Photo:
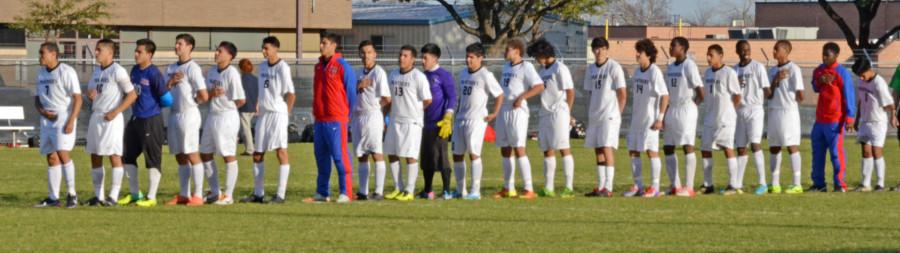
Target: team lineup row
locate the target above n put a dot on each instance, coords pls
(425, 113)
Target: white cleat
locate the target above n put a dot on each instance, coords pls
(343, 199)
(225, 201)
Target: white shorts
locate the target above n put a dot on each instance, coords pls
(605, 134)
(553, 133)
(468, 136)
(872, 133)
(749, 128)
(367, 133)
(680, 125)
(104, 138)
(52, 137)
(643, 140)
(783, 127)
(220, 133)
(714, 137)
(271, 131)
(511, 128)
(184, 131)
(403, 140)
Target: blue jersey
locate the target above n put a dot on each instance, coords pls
(150, 86)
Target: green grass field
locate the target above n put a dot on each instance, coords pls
(817, 222)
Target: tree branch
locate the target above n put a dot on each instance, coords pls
(880, 42)
(459, 20)
(848, 34)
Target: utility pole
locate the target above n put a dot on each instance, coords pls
(299, 30)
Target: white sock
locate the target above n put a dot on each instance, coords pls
(259, 175)
(525, 168)
(69, 174)
(569, 170)
(741, 168)
(154, 175)
(132, 174)
(283, 172)
(636, 172)
(867, 164)
(459, 170)
(655, 169)
(760, 162)
(184, 180)
(610, 174)
(395, 172)
(54, 178)
(116, 185)
(601, 177)
(363, 177)
(690, 170)
(707, 171)
(197, 174)
(795, 165)
(549, 172)
(97, 175)
(672, 170)
(509, 171)
(476, 176)
(231, 174)
(379, 177)
(733, 172)
(211, 171)
(879, 170)
(412, 171)
(775, 167)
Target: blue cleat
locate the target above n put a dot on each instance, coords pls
(761, 190)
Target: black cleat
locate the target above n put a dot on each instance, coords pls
(71, 201)
(48, 202)
(362, 196)
(276, 200)
(253, 199)
(817, 189)
(377, 197)
(97, 202)
(878, 188)
(707, 189)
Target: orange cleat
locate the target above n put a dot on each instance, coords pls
(527, 195)
(178, 200)
(196, 200)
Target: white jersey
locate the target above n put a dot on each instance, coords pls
(681, 80)
(369, 99)
(721, 86)
(408, 90)
(557, 79)
(186, 89)
(602, 81)
(275, 81)
(229, 80)
(784, 96)
(475, 89)
(753, 79)
(517, 79)
(110, 84)
(873, 96)
(649, 87)
(55, 87)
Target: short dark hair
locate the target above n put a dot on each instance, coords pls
(272, 40)
(432, 49)
(332, 37)
(411, 50)
(52, 47)
(365, 43)
(599, 42)
(541, 49)
(681, 41)
(517, 44)
(716, 48)
(187, 38)
(646, 46)
(833, 47)
(148, 44)
(860, 65)
(785, 44)
(475, 48)
(106, 42)
(230, 48)
(738, 45)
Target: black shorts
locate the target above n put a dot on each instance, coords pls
(144, 136)
(434, 153)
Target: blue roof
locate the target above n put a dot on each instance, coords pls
(405, 14)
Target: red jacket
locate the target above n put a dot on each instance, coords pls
(837, 100)
(334, 90)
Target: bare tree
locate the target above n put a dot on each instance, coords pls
(640, 12)
(867, 9)
(741, 10)
(705, 14)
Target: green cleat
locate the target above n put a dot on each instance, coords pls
(146, 203)
(794, 189)
(547, 193)
(392, 195)
(567, 193)
(405, 196)
(775, 189)
(130, 199)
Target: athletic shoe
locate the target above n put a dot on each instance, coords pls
(707, 189)
(840, 189)
(527, 195)
(315, 199)
(130, 199)
(426, 195)
(505, 193)
(224, 201)
(48, 202)
(196, 200)
(862, 189)
(546, 193)
(71, 201)
(459, 194)
(212, 198)
(97, 202)
(276, 200)
(633, 192)
(878, 188)
(652, 193)
(178, 200)
(673, 191)
(362, 196)
(730, 190)
(761, 190)
(405, 196)
(376, 197)
(686, 192)
(794, 189)
(253, 199)
(343, 199)
(595, 193)
(473, 196)
(448, 195)
(817, 189)
(567, 193)
(146, 203)
(393, 195)
(896, 188)
(775, 189)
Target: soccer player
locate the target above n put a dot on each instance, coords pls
(876, 112)
(555, 121)
(782, 129)
(472, 117)
(720, 117)
(605, 80)
(835, 110)
(220, 130)
(410, 94)
(651, 98)
(275, 101)
(367, 122)
(520, 82)
(145, 131)
(686, 92)
(895, 90)
(188, 89)
(754, 80)
(334, 95)
(438, 122)
(57, 99)
(111, 93)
